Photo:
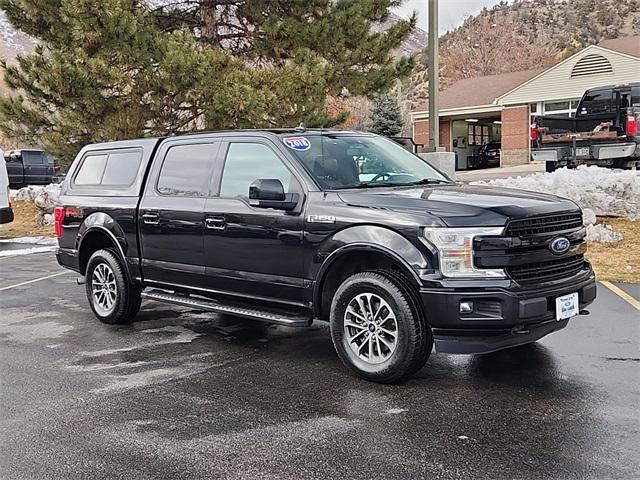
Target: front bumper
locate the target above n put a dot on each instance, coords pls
(502, 318)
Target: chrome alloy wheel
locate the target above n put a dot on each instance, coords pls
(370, 328)
(104, 288)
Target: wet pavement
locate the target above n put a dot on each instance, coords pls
(188, 394)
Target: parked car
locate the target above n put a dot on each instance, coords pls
(30, 167)
(603, 132)
(6, 212)
(490, 155)
(279, 226)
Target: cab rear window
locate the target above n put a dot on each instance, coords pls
(116, 168)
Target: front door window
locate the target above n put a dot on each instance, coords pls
(248, 162)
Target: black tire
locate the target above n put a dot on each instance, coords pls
(550, 167)
(126, 299)
(413, 342)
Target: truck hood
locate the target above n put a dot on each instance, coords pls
(461, 205)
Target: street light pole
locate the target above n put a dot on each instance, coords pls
(432, 64)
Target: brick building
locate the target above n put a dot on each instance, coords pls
(499, 108)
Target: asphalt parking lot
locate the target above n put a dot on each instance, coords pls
(188, 394)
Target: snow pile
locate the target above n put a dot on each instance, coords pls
(603, 234)
(32, 192)
(588, 216)
(44, 197)
(607, 192)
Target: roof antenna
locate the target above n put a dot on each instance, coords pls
(301, 128)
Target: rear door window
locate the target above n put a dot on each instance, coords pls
(596, 101)
(186, 170)
(34, 158)
(635, 96)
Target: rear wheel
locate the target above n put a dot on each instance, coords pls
(377, 329)
(550, 167)
(111, 297)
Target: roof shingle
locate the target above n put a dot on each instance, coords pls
(626, 45)
(480, 90)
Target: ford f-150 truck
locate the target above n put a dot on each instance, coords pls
(31, 167)
(282, 226)
(603, 132)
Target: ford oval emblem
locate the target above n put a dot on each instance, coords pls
(559, 245)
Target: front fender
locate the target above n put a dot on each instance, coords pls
(369, 238)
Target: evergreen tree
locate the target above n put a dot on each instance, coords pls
(386, 117)
(114, 69)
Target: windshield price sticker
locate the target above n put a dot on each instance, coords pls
(297, 143)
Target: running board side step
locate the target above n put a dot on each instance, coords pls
(289, 319)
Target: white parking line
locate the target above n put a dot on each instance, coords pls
(622, 294)
(33, 281)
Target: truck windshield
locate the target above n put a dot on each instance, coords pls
(360, 161)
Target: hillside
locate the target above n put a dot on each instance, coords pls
(524, 35)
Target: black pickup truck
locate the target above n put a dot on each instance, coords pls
(282, 226)
(30, 167)
(603, 132)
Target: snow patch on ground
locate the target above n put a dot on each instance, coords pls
(603, 234)
(26, 251)
(606, 192)
(32, 240)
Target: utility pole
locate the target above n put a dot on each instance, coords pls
(433, 67)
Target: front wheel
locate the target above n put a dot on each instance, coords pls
(550, 167)
(111, 297)
(378, 329)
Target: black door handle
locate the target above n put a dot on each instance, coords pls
(151, 218)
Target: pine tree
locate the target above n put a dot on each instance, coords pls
(115, 69)
(386, 117)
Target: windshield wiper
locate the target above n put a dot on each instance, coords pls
(374, 184)
(428, 181)
(424, 181)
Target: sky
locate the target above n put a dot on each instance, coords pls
(452, 12)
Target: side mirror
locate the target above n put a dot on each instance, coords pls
(269, 193)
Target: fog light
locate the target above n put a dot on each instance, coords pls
(466, 307)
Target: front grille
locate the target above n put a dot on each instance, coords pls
(546, 271)
(547, 224)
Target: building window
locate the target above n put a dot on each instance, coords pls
(478, 135)
(565, 108)
(556, 106)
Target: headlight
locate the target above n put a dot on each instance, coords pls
(455, 251)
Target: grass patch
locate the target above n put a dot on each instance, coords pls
(620, 261)
(25, 222)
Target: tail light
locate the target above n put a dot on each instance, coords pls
(58, 217)
(534, 131)
(9, 196)
(632, 125)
